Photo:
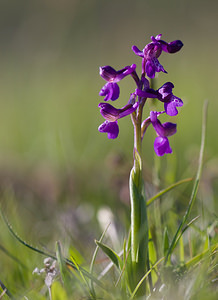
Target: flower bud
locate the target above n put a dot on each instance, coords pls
(174, 46)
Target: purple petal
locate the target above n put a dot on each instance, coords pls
(124, 72)
(152, 50)
(163, 130)
(110, 90)
(109, 112)
(107, 73)
(171, 47)
(161, 42)
(111, 75)
(158, 66)
(111, 128)
(166, 89)
(170, 101)
(170, 107)
(152, 66)
(112, 114)
(147, 93)
(162, 146)
(150, 69)
(158, 37)
(164, 45)
(137, 51)
(169, 128)
(128, 109)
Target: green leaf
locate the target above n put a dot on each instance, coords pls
(135, 200)
(110, 253)
(139, 223)
(4, 290)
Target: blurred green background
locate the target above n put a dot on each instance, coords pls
(52, 157)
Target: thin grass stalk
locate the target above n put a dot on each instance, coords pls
(195, 187)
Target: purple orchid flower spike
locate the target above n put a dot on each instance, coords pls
(171, 102)
(151, 52)
(111, 89)
(161, 143)
(112, 114)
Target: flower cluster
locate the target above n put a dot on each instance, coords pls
(136, 102)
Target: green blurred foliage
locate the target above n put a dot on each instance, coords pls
(52, 157)
(50, 52)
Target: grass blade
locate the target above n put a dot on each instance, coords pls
(4, 290)
(169, 188)
(195, 187)
(185, 228)
(21, 240)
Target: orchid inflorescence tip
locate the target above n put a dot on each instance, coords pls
(150, 66)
